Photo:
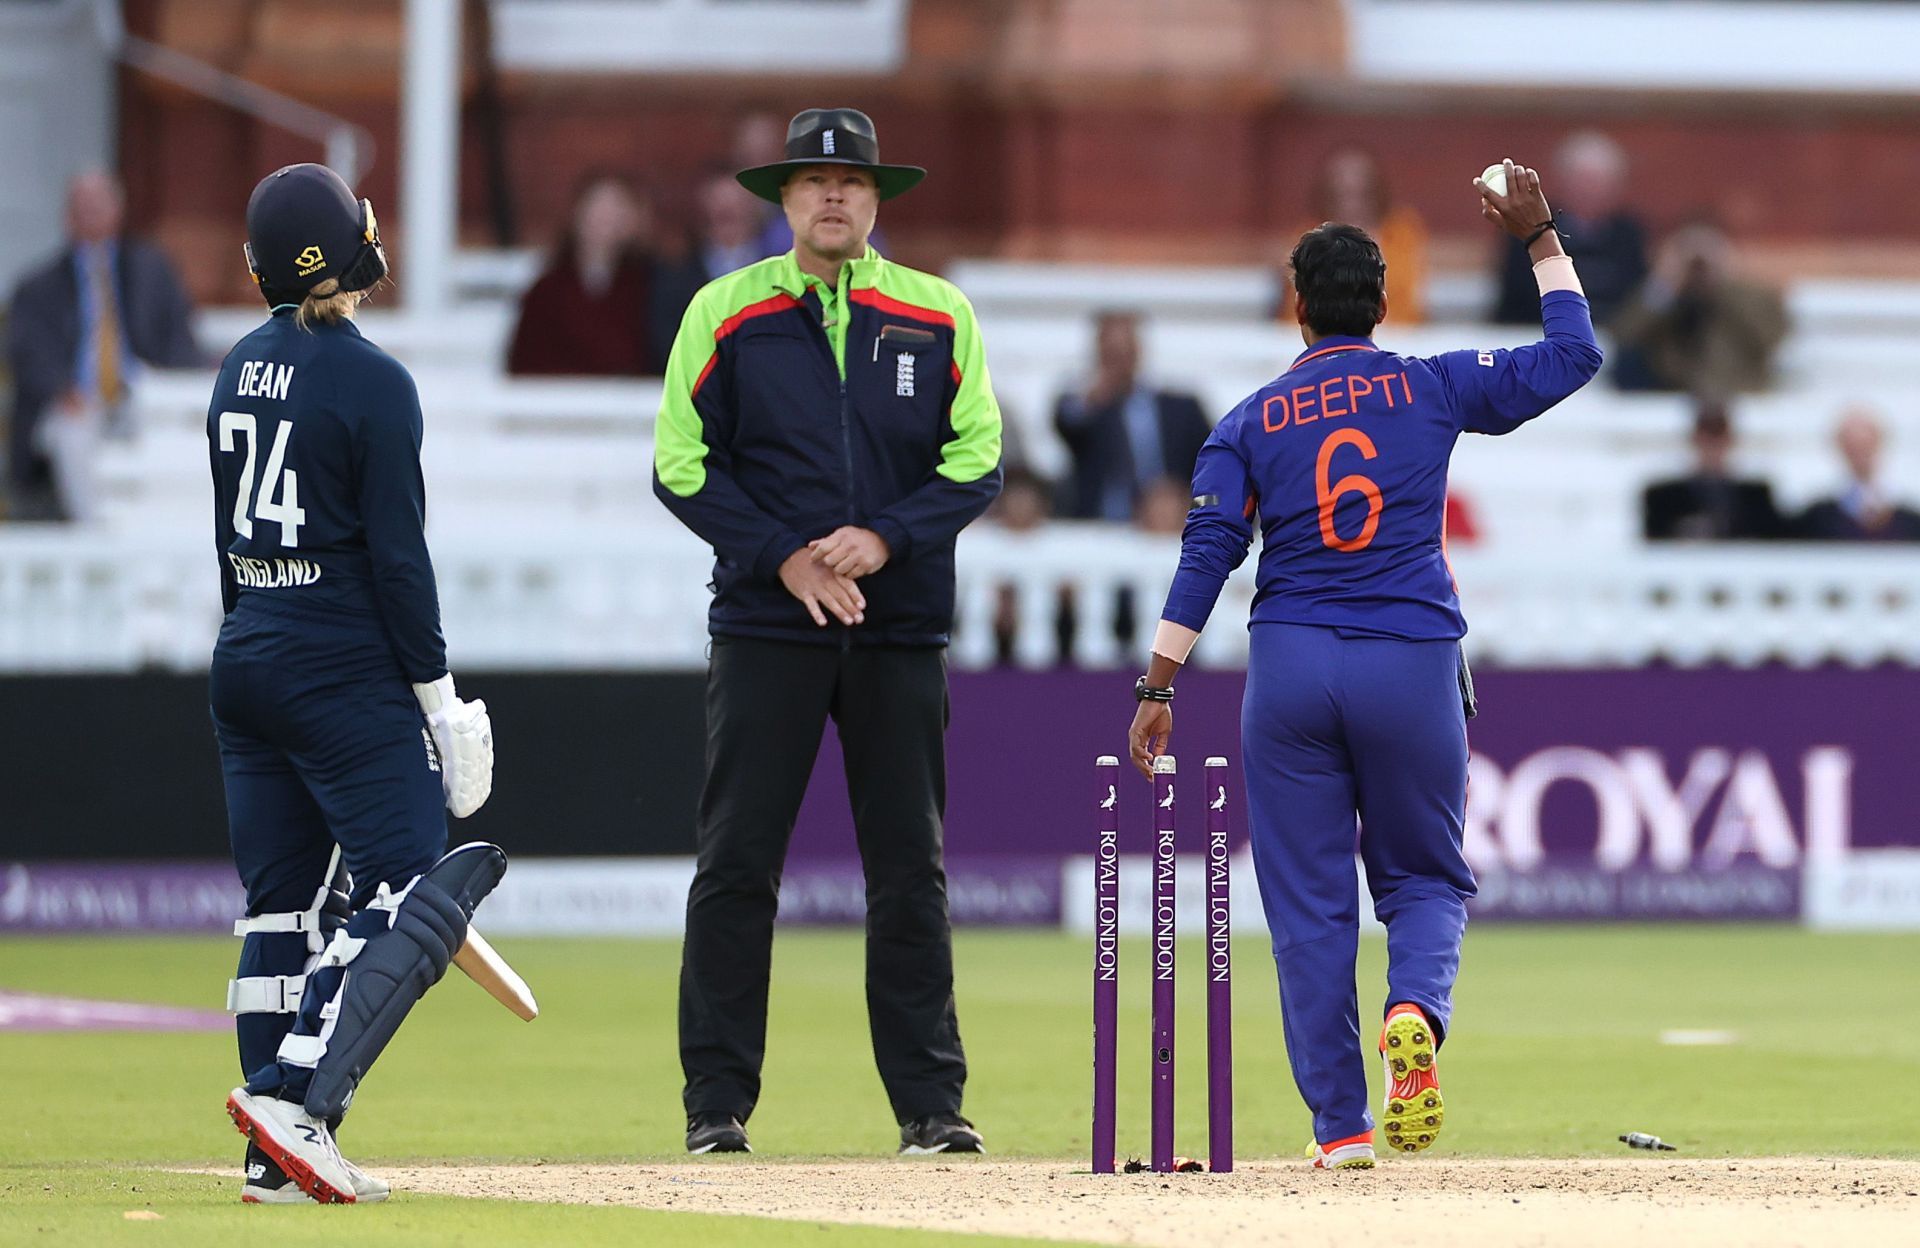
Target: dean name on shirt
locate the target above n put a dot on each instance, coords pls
(265, 379)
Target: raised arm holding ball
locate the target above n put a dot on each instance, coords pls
(1357, 696)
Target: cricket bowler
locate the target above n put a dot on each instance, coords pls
(1357, 694)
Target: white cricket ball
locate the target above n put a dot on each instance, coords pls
(1495, 176)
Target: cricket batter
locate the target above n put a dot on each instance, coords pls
(341, 740)
(1357, 694)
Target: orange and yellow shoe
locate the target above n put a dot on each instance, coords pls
(1415, 1111)
(1353, 1153)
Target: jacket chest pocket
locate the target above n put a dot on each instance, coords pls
(903, 388)
(786, 382)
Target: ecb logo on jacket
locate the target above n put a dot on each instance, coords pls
(903, 375)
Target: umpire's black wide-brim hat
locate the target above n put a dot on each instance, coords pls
(830, 136)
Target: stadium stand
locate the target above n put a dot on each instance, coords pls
(554, 551)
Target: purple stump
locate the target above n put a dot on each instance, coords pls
(1106, 958)
(1219, 973)
(1164, 907)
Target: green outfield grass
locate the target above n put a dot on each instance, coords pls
(1555, 1051)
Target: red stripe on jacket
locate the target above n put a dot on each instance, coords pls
(766, 307)
(893, 307)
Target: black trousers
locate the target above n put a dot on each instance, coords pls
(767, 704)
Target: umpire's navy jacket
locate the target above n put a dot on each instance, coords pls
(793, 408)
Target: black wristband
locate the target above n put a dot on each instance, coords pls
(1534, 237)
(1144, 692)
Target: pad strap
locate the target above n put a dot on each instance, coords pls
(303, 1050)
(298, 921)
(265, 994)
(342, 949)
(328, 911)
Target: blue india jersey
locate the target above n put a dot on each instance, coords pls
(1341, 461)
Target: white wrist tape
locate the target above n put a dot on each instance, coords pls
(1556, 273)
(1174, 641)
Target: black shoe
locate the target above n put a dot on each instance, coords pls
(941, 1133)
(267, 1183)
(716, 1132)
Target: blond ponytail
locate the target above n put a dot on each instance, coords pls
(327, 304)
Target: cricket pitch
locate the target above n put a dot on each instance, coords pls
(1476, 1203)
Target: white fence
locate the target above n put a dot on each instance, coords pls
(82, 600)
(552, 551)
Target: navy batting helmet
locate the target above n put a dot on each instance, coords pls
(305, 226)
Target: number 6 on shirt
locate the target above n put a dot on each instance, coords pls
(1330, 495)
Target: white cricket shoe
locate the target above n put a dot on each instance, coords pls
(1353, 1153)
(268, 1184)
(297, 1142)
(367, 1190)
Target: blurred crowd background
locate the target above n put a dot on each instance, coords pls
(1115, 184)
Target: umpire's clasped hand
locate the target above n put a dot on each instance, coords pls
(822, 590)
(851, 551)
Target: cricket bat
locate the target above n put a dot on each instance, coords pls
(488, 969)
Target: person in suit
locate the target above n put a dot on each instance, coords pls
(83, 324)
(1123, 434)
(1601, 230)
(1863, 512)
(1710, 503)
(726, 238)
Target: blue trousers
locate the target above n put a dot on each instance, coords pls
(322, 743)
(1337, 727)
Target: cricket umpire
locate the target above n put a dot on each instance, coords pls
(828, 427)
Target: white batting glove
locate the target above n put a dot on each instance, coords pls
(463, 735)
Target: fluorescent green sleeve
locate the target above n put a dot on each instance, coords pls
(974, 450)
(692, 468)
(679, 437)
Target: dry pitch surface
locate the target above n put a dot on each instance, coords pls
(1471, 1204)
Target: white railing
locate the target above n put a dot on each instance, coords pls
(628, 598)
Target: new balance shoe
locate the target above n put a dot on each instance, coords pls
(940, 1133)
(297, 1142)
(1415, 1110)
(268, 1184)
(716, 1132)
(1353, 1153)
(367, 1190)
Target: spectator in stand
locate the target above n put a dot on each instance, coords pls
(1161, 512)
(1163, 506)
(83, 325)
(587, 315)
(761, 139)
(726, 237)
(1863, 512)
(1602, 234)
(1710, 503)
(1024, 505)
(1697, 325)
(1122, 433)
(1350, 189)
